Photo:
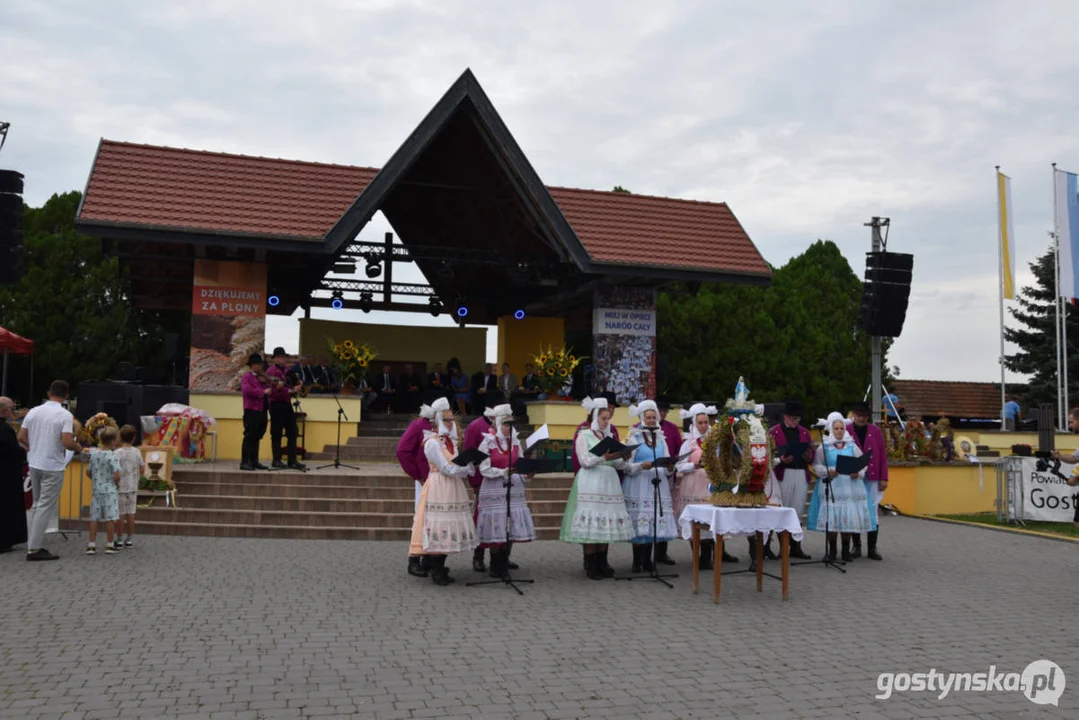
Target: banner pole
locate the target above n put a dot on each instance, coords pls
(1002, 234)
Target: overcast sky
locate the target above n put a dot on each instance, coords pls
(808, 118)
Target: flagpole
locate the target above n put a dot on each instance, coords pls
(1062, 329)
(1000, 286)
(1056, 311)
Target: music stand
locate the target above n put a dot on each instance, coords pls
(337, 453)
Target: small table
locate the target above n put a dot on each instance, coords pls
(734, 522)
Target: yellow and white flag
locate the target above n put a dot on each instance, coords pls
(1007, 235)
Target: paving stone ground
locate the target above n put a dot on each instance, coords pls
(261, 629)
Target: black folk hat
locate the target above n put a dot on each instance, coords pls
(255, 358)
(793, 408)
(861, 407)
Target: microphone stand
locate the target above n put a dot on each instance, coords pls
(657, 512)
(337, 454)
(506, 578)
(834, 564)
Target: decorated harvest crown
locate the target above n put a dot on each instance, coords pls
(738, 452)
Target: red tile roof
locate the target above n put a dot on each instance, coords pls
(194, 190)
(942, 397)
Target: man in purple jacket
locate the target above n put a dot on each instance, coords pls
(254, 393)
(473, 437)
(414, 463)
(869, 437)
(792, 471)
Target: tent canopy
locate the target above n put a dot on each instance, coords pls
(15, 345)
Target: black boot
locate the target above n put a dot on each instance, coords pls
(593, 565)
(846, 547)
(871, 539)
(477, 560)
(856, 545)
(768, 554)
(499, 560)
(415, 566)
(510, 565)
(796, 551)
(646, 558)
(708, 547)
(585, 558)
(439, 574)
(727, 557)
(661, 554)
(752, 554)
(636, 569)
(605, 568)
(830, 542)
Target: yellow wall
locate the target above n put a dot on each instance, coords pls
(321, 429)
(401, 343)
(562, 418)
(519, 340)
(942, 489)
(1002, 441)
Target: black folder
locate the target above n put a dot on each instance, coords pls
(609, 444)
(669, 462)
(846, 465)
(536, 466)
(796, 450)
(474, 456)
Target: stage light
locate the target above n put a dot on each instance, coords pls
(338, 301)
(374, 267)
(519, 315)
(462, 311)
(273, 301)
(365, 302)
(436, 306)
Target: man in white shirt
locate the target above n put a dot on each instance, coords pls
(47, 432)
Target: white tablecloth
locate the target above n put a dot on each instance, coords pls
(733, 521)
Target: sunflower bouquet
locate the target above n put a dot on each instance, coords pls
(351, 360)
(91, 432)
(554, 367)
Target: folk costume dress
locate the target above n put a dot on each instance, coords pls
(848, 510)
(693, 481)
(443, 524)
(640, 494)
(503, 452)
(596, 509)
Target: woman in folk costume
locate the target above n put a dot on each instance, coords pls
(503, 449)
(443, 523)
(640, 493)
(847, 511)
(596, 510)
(693, 483)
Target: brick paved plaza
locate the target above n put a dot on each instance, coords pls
(237, 628)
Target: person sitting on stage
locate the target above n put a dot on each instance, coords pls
(460, 386)
(485, 392)
(694, 481)
(790, 471)
(438, 385)
(306, 372)
(839, 503)
(596, 510)
(530, 385)
(443, 524)
(474, 434)
(327, 378)
(639, 492)
(503, 449)
(413, 461)
(869, 437)
(386, 389)
(410, 390)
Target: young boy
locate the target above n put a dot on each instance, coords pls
(130, 470)
(105, 505)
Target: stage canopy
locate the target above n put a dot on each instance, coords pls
(465, 202)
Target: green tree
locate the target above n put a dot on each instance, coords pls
(1036, 336)
(72, 301)
(796, 338)
(620, 189)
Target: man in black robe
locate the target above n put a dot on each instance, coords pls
(410, 391)
(12, 495)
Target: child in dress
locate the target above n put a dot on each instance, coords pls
(105, 475)
(130, 470)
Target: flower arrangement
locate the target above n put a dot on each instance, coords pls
(91, 432)
(737, 453)
(351, 360)
(941, 441)
(914, 442)
(554, 367)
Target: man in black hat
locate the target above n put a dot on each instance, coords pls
(870, 438)
(254, 391)
(282, 416)
(792, 472)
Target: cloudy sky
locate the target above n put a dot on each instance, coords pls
(808, 118)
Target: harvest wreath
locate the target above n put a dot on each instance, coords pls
(737, 455)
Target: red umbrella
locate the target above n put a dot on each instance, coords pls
(13, 344)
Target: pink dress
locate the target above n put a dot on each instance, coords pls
(443, 523)
(693, 486)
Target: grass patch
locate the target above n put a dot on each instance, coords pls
(1064, 529)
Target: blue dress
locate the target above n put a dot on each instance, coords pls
(461, 387)
(639, 492)
(848, 510)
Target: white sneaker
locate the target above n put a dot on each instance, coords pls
(91, 550)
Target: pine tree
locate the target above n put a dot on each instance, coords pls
(1037, 339)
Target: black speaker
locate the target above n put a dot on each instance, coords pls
(886, 293)
(10, 225)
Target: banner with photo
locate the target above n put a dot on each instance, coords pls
(228, 322)
(624, 343)
(1042, 495)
